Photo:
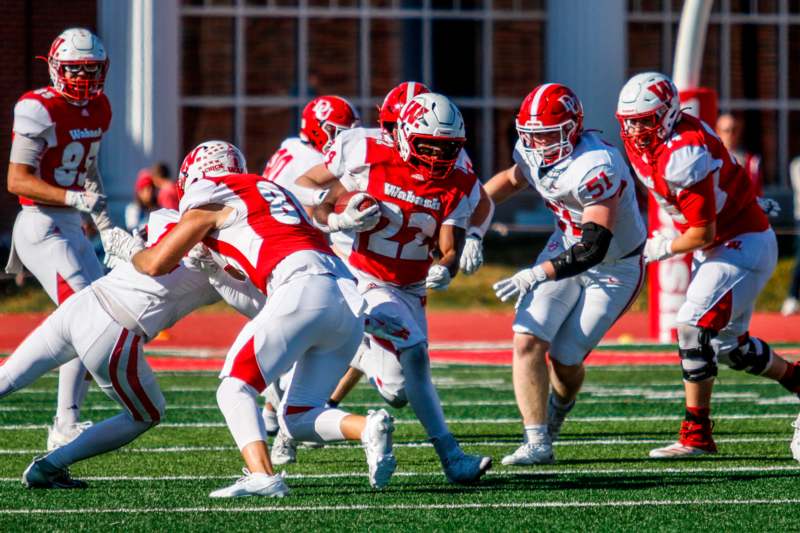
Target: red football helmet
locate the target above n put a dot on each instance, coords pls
(395, 100)
(78, 63)
(324, 118)
(208, 160)
(549, 109)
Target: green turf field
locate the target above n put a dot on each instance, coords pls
(602, 481)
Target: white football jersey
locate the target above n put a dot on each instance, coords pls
(151, 304)
(293, 159)
(595, 171)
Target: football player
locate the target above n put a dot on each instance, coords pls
(695, 180)
(105, 326)
(590, 271)
(423, 206)
(313, 315)
(53, 169)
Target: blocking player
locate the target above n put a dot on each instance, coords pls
(589, 272)
(312, 315)
(689, 172)
(53, 169)
(105, 325)
(424, 207)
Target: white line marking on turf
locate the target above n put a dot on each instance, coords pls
(403, 507)
(515, 472)
(465, 444)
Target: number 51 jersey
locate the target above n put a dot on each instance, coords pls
(413, 209)
(72, 134)
(594, 172)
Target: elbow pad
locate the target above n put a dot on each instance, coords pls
(582, 256)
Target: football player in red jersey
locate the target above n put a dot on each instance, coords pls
(713, 204)
(424, 208)
(313, 315)
(53, 169)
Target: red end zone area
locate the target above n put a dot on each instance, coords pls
(200, 341)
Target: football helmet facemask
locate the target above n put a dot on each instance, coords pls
(77, 63)
(549, 124)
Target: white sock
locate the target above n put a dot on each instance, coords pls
(108, 435)
(537, 434)
(72, 387)
(420, 391)
(238, 402)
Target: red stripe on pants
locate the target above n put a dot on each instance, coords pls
(63, 290)
(719, 315)
(113, 367)
(245, 366)
(136, 385)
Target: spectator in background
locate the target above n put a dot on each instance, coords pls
(729, 129)
(144, 201)
(167, 192)
(791, 305)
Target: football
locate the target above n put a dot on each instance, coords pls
(343, 200)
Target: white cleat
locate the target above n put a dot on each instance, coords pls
(555, 416)
(678, 451)
(258, 484)
(284, 449)
(791, 306)
(58, 436)
(795, 445)
(531, 454)
(377, 441)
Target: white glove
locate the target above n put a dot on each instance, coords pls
(770, 207)
(438, 278)
(472, 255)
(118, 242)
(657, 247)
(354, 219)
(199, 258)
(112, 261)
(385, 327)
(519, 284)
(85, 201)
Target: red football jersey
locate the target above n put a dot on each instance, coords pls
(696, 181)
(398, 250)
(72, 134)
(268, 224)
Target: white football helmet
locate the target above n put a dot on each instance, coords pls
(210, 159)
(76, 50)
(430, 134)
(647, 110)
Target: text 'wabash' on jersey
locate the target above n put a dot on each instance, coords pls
(72, 134)
(594, 172)
(398, 250)
(267, 225)
(696, 181)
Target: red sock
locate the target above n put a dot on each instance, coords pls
(698, 415)
(791, 378)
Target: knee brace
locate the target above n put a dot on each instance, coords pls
(752, 355)
(698, 361)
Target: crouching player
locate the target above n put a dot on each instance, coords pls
(590, 271)
(714, 207)
(312, 315)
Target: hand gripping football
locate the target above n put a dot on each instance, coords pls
(343, 200)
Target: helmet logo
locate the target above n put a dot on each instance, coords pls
(662, 89)
(569, 103)
(413, 111)
(322, 110)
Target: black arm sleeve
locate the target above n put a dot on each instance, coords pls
(582, 256)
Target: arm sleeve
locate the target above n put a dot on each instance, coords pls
(94, 183)
(697, 203)
(27, 150)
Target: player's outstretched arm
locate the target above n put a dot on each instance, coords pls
(504, 185)
(317, 177)
(192, 227)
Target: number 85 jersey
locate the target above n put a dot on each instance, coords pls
(71, 133)
(594, 172)
(413, 209)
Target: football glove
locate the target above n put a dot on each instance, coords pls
(438, 278)
(354, 219)
(519, 284)
(199, 258)
(472, 255)
(657, 247)
(770, 207)
(118, 242)
(85, 201)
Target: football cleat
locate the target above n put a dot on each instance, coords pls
(464, 469)
(258, 484)
(795, 445)
(695, 439)
(40, 474)
(530, 453)
(377, 441)
(555, 416)
(284, 449)
(58, 436)
(791, 306)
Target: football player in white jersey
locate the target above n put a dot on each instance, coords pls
(590, 271)
(105, 326)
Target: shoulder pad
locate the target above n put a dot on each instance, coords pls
(204, 192)
(159, 223)
(689, 164)
(32, 118)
